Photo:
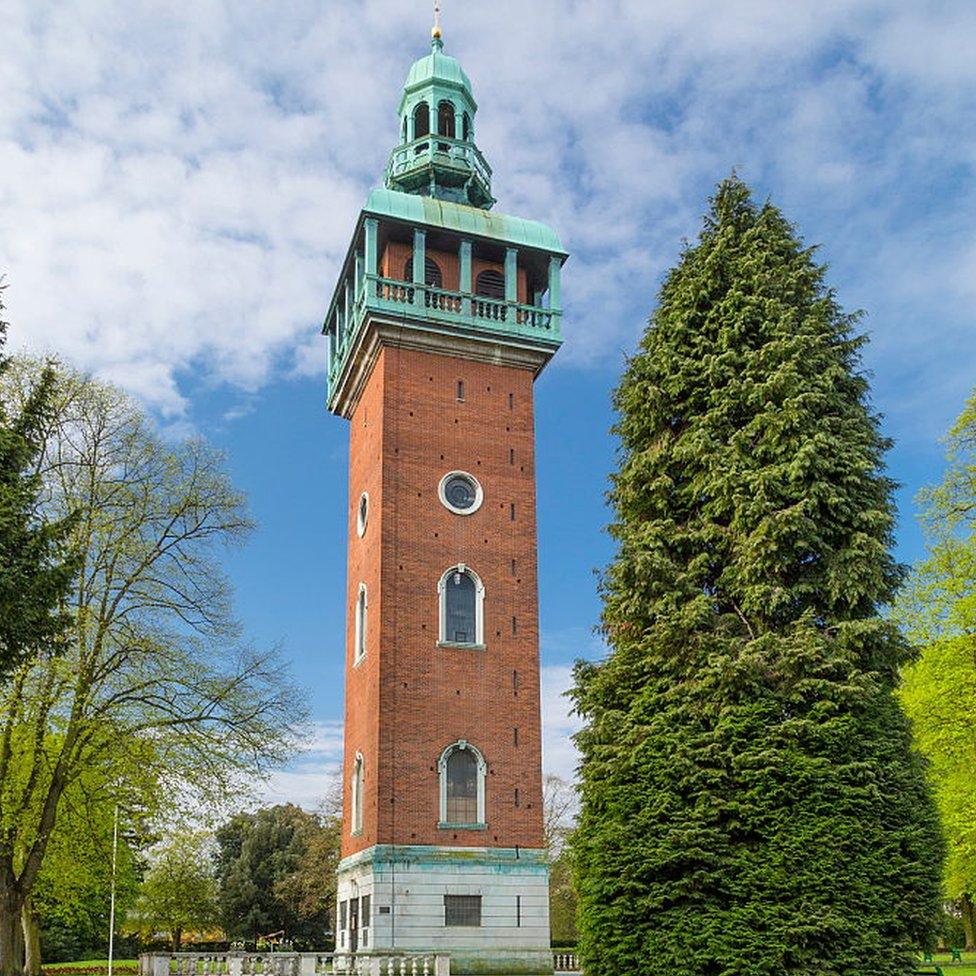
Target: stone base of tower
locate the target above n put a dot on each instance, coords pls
(407, 885)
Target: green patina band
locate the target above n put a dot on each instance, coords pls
(495, 858)
(464, 220)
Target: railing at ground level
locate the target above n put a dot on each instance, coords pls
(377, 963)
(565, 962)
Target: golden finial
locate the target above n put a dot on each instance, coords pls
(435, 31)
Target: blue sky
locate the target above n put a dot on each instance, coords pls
(178, 183)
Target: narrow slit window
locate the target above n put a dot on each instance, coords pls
(511, 512)
(460, 389)
(357, 795)
(362, 609)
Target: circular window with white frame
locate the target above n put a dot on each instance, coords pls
(362, 514)
(460, 492)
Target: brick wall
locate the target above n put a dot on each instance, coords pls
(410, 698)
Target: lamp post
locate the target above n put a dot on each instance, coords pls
(111, 911)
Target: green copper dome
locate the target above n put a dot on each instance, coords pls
(437, 156)
(437, 68)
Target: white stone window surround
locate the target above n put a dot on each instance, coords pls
(481, 823)
(356, 795)
(479, 492)
(478, 643)
(361, 624)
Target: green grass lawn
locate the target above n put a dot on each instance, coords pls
(966, 968)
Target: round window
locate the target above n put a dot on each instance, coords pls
(460, 492)
(362, 514)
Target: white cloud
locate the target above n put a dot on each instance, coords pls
(559, 754)
(312, 775)
(177, 185)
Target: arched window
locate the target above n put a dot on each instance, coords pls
(356, 795)
(445, 119)
(491, 284)
(421, 120)
(362, 607)
(466, 126)
(462, 771)
(462, 597)
(432, 272)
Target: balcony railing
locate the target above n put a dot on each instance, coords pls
(378, 963)
(442, 307)
(452, 152)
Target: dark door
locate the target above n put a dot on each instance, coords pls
(353, 924)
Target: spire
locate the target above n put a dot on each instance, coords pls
(436, 41)
(437, 156)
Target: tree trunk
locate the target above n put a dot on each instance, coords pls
(32, 940)
(176, 937)
(11, 928)
(968, 920)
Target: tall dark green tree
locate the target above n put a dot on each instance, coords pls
(751, 800)
(36, 566)
(260, 862)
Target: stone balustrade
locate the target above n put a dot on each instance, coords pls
(295, 964)
(565, 962)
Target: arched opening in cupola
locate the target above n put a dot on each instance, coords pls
(490, 284)
(432, 272)
(466, 126)
(445, 119)
(403, 134)
(421, 120)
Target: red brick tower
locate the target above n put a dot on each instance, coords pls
(443, 316)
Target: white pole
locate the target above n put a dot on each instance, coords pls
(111, 912)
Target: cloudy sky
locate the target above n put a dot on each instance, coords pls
(178, 183)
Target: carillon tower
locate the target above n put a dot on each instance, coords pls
(444, 314)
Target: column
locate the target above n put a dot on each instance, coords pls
(511, 274)
(555, 292)
(357, 275)
(464, 261)
(370, 234)
(419, 262)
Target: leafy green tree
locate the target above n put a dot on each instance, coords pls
(153, 676)
(751, 803)
(36, 564)
(179, 892)
(67, 915)
(276, 870)
(938, 609)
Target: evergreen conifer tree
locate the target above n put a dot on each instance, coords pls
(36, 564)
(751, 800)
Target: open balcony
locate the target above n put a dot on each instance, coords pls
(453, 162)
(434, 279)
